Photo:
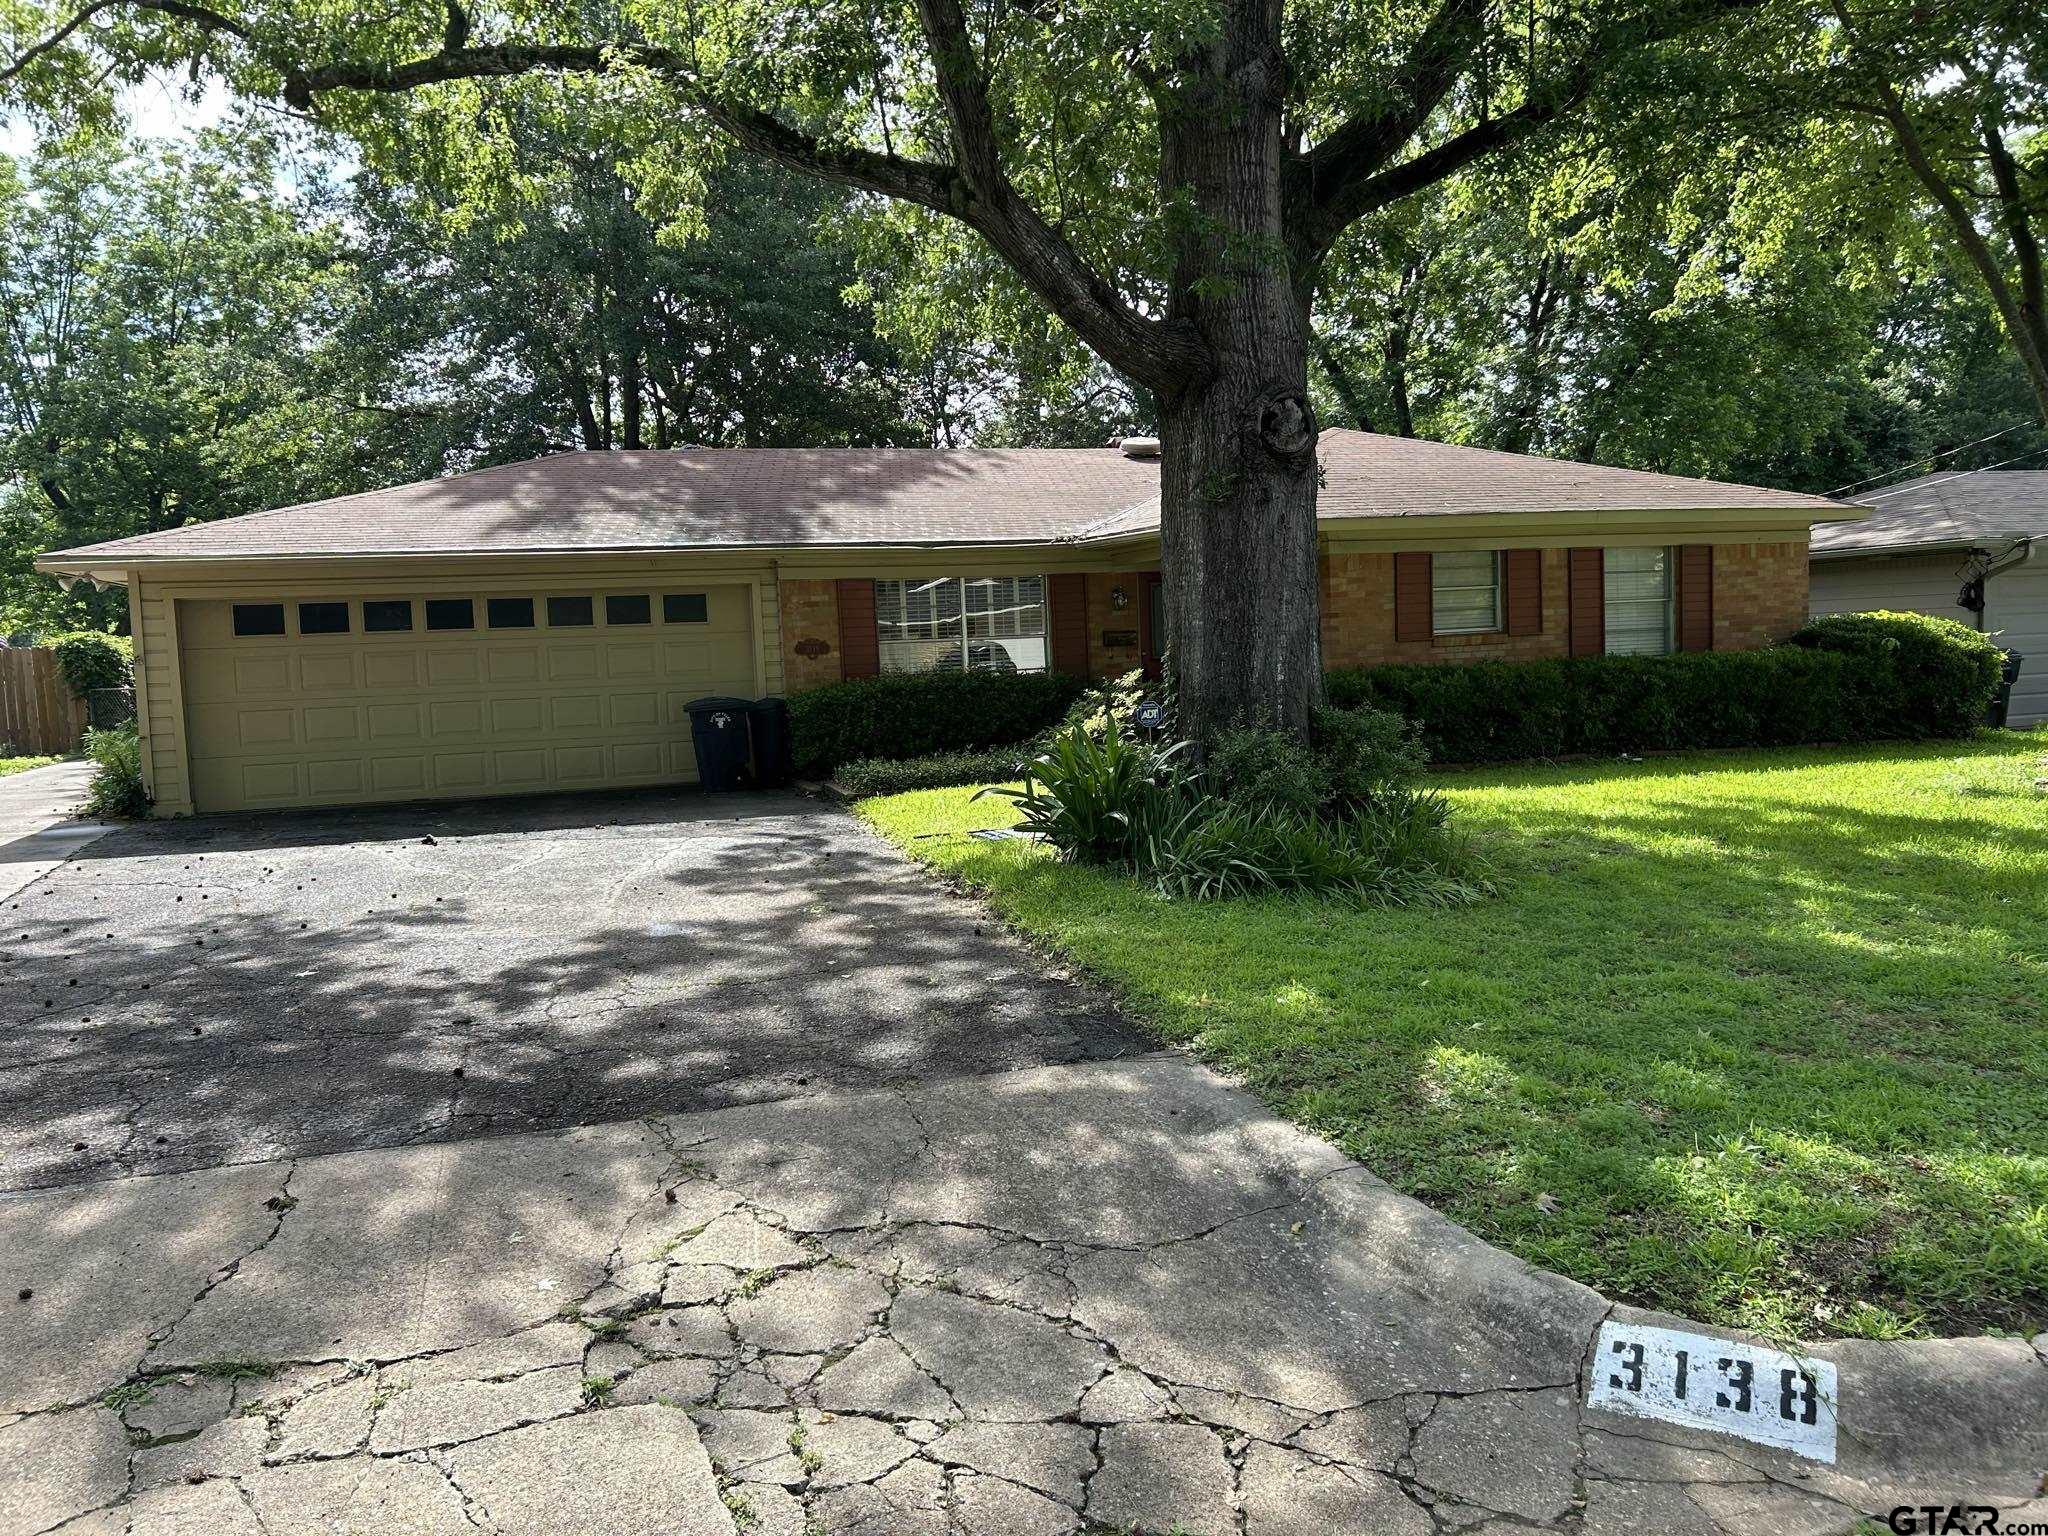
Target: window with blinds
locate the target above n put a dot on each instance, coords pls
(1638, 603)
(1464, 592)
(961, 624)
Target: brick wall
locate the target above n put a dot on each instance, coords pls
(1358, 619)
(810, 618)
(1106, 620)
(1759, 593)
(1759, 597)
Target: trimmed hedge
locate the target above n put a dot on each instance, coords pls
(944, 770)
(1857, 677)
(1934, 677)
(920, 714)
(89, 660)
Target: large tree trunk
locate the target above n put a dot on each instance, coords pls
(1238, 471)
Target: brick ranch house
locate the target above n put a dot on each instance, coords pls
(539, 626)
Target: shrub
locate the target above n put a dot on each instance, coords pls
(1840, 682)
(116, 788)
(1366, 754)
(922, 713)
(1267, 770)
(942, 770)
(1097, 798)
(1936, 676)
(89, 660)
(1352, 758)
(1106, 798)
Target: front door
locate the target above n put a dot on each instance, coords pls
(1152, 623)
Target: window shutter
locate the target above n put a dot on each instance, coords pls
(1695, 597)
(1587, 581)
(860, 652)
(1068, 623)
(1522, 577)
(1413, 619)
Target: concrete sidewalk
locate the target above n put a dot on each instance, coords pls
(37, 829)
(1106, 1295)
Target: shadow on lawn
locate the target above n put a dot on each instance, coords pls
(1750, 1052)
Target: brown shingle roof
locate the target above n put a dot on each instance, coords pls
(794, 497)
(1946, 511)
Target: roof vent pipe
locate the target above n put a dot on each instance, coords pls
(1139, 447)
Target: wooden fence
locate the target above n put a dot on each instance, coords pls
(38, 715)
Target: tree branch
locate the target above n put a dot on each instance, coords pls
(974, 191)
(1161, 355)
(1365, 143)
(211, 20)
(1347, 176)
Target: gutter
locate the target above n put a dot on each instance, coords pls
(1725, 519)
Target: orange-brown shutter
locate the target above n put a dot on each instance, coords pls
(1696, 597)
(860, 650)
(1522, 577)
(1414, 615)
(1586, 579)
(1067, 597)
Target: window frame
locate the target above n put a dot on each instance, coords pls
(490, 616)
(1608, 603)
(411, 617)
(348, 618)
(956, 631)
(236, 610)
(1496, 624)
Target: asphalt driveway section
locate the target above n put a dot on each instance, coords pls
(1111, 1296)
(220, 990)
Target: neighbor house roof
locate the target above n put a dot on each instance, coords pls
(1944, 511)
(725, 498)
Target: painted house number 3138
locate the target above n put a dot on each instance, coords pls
(1716, 1384)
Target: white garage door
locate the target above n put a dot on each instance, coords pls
(324, 701)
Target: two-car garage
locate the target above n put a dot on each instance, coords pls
(322, 698)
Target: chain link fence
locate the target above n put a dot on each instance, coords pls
(106, 708)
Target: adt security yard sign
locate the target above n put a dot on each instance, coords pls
(1708, 1383)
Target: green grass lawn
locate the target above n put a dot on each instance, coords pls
(23, 764)
(1757, 1037)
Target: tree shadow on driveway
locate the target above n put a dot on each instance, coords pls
(235, 989)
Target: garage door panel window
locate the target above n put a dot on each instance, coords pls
(451, 613)
(509, 612)
(685, 608)
(1464, 592)
(1638, 601)
(323, 618)
(961, 624)
(255, 619)
(383, 616)
(633, 608)
(570, 612)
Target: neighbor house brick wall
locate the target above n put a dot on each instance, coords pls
(1358, 619)
(1106, 620)
(810, 634)
(1759, 593)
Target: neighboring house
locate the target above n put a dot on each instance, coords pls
(540, 625)
(1960, 545)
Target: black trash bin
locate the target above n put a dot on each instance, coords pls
(718, 730)
(770, 727)
(2001, 701)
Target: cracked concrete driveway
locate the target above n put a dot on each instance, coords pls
(858, 1252)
